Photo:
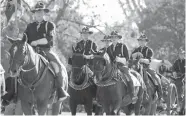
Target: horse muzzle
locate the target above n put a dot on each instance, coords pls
(14, 73)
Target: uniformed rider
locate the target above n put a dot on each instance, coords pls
(118, 53)
(146, 53)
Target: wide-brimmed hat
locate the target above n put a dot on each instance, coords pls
(115, 34)
(40, 6)
(106, 39)
(86, 30)
(143, 37)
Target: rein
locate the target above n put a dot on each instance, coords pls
(104, 74)
(85, 83)
(40, 76)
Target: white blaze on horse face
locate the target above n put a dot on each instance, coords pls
(14, 50)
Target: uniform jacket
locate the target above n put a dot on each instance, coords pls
(119, 50)
(85, 47)
(146, 51)
(179, 66)
(34, 32)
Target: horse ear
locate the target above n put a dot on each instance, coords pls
(104, 51)
(24, 39)
(73, 49)
(11, 40)
(93, 52)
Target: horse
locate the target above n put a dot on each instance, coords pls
(2, 80)
(182, 109)
(170, 93)
(82, 90)
(178, 81)
(112, 91)
(35, 87)
(149, 103)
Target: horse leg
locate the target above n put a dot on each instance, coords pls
(147, 108)
(153, 108)
(170, 99)
(88, 107)
(126, 110)
(56, 108)
(42, 107)
(97, 109)
(137, 105)
(73, 106)
(26, 107)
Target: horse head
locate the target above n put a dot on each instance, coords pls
(101, 64)
(134, 64)
(165, 68)
(79, 67)
(19, 56)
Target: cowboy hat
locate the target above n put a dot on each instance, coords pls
(40, 6)
(106, 39)
(86, 30)
(115, 34)
(143, 37)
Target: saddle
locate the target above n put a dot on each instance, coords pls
(46, 63)
(44, 59)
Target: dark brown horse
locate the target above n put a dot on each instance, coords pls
(149, 103)
(82, 90)
(182, 109)
(178, 81)
(170, 94)
(36, 80)
(112, 91)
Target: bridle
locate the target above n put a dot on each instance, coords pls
(99, 71)
(26, 61)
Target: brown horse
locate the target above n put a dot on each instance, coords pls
(2, 80)
(180, 88)
(112, 91)
(36, 80)
(182, 110)
(149, 103)
(81, 87)
(170, 94)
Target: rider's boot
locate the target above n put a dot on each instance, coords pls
(62, 94)
(10, 95)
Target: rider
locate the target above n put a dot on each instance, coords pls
(147, 53)
(41, 34)
(118, 54)
(86, 46)
(179, 64)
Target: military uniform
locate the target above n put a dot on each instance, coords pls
(85, 47)
(118, 54)
(146, 51)
(147, 54)
(36, 31)
(179, 66)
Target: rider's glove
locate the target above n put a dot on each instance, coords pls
(137, 54)
(121, 60)
(145, 61)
